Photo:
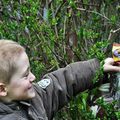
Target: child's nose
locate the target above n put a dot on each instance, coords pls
(32, 77)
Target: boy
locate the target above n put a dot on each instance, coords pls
(21, 99)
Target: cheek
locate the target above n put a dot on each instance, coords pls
(19, 86)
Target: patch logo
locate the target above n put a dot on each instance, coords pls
(44, 83)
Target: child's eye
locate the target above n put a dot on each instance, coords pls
(26, 75)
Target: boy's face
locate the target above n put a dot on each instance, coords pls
(20, 86)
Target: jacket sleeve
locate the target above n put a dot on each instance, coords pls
(67, 82)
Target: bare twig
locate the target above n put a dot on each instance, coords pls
(82, 9)
(115, 31)
(110, 39)
(81, 3)
(49, 3)
(58, 9)
(64, 32)
(112, 33)
(56, 30)
(74, 22)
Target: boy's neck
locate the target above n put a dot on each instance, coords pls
(5, 100)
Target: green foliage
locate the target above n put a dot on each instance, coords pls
(108, 111)
(97, 50)
(59, 32)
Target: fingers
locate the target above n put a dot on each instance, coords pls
(110, 66)
(109, 61)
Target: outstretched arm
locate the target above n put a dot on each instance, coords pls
(67, 82)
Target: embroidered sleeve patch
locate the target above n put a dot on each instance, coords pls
(44, 83)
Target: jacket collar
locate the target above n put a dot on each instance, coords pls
(10, 107)
(5, 109)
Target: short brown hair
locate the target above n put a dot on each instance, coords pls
(9, 52)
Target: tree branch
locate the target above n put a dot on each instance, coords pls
(82, 9)
(111, 40)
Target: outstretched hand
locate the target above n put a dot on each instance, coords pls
(111, 66)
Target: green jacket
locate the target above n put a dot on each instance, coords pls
(53, 92)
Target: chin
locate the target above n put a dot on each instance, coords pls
(29, 97)
(32, 95)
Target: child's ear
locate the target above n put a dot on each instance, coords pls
(3, 91)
